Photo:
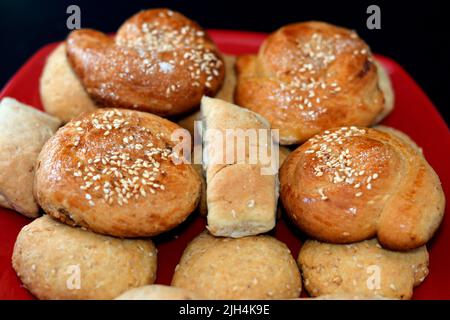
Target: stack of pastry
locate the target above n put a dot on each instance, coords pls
(111, 177)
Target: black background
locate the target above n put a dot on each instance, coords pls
(416, 35)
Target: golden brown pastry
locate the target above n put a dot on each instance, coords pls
(62, 93)
(362, 269)
(241, 197)
(56, 261)
(160, 62)
(226, 93)
(256, 267)
(157, 292)
(114, 172)
(350, 184)
(308, 77)
(23, 132)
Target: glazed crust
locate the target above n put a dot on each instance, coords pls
(49, 256)
(62, 93)
(308, 77)
(256, 267)
(113, 172)
(353, 270)
(159, 61)
(23, 132)
(157, 292)
(351, 184)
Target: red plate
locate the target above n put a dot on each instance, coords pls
(414, 114)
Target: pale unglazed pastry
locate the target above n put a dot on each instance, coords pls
(362, 270)
(158, 292)
(255, 267)
(59, 262)
(62, 93)
(23, 132)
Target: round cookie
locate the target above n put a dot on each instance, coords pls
(62, 93)
(255, 267)
(56, 261)
(114, 172)
(361, 269)
(157, 292)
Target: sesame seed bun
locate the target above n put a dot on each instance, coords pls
(351, 184)
(112, 171)
(255, 267)
(159, 61)
(308, 77)
(56, 261)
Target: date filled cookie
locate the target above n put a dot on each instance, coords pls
(362, 269)
(56, 261)
(255, 267)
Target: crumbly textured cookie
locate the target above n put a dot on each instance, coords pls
(159, 61)
(361, 269)
(249, 209)
(158, 292)
(350, 184)
(385, 84)
(255, 267)
(62, 93)
(56, 261)
(308, 77)
(23, 132)
(115, 172)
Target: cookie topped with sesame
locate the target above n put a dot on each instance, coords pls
(308, 77)
(353, 183)
(160, 61)
(114, 171)
(254, 267)
(361, 269)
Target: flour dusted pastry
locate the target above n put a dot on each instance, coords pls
(350, 184)
(114, 172)
(241, 197)
(361, 269)
(255, 267)
(160, 62)
(23, 132)
(157, 292)
(308, 77)
(62, 93)
(56, 261)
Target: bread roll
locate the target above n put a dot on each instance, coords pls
(361, 269)
(62, 93)
(157, 292)
(113, 172)
(23, 132)
(160, 62)
(350, 184)
(250, 208)
(308, 77)
(59, 262)
(256, 267)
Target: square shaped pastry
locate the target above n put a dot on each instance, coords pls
(241, 196)
(23, 132)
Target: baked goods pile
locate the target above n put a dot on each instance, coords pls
(113, 175)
